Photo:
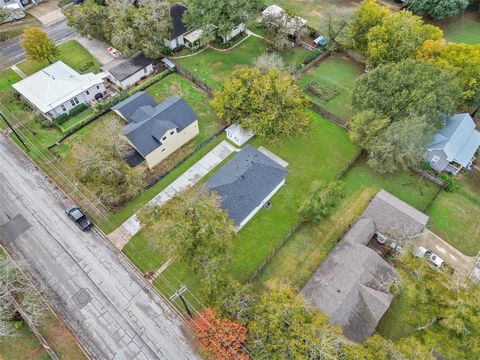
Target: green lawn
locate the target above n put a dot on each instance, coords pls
(393, 325)
(454, 216)
(335, 74)
(214, 66)
(463, 29)
(71, 53)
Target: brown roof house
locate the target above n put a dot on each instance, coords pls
(352, 284)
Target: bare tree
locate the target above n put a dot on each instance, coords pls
(269, 61)
(17, 293)
(335, 28)
(285, 29)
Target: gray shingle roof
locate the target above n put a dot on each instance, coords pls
(148, 122)
(458, 139)
(351, 285)
(178, 26)
(245, 181)
(129, 66)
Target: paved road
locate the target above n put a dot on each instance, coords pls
(108, 305)
(11, 51)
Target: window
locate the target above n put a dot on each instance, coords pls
(172, 132)
(72, 102)
(98, 87)
(164, 138)
(63, 107)
(88, 92)
(435, 159)
(163, 150)
(76, 100)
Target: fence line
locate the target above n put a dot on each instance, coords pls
(202, 85)
(329, 116)
(435, 179)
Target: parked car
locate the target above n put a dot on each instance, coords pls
(114, 52)
(77, 2)
(429, 255)
(79, 217)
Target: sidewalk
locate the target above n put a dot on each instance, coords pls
(120, 236)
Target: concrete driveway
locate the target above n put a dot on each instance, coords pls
(120, 236)
(97, 48)
(47, 12)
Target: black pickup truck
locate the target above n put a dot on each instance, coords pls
(79, 217)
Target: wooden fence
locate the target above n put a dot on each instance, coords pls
(329, 116)
(435, 179)
(193, 79)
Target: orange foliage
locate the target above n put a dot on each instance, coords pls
(223, 339)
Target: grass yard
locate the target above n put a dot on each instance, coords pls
(214, 66)
(463, 29)
(23, 346)
(334, 78)
(454, 216)
(71, 53)
(393, 325)
(77, 119)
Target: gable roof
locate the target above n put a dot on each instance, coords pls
(54, 85)
(178, 26)
(245, 181)
(458, 139)
(351, 285)
(147, 124)
(130, 66)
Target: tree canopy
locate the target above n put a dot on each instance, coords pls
(398, 37)
(320, 201)
(398, 108)
(217, 18)
(462, 60)
(192, 228)
(89, 18)
(38, 45)
(270, 103)
(438, 9)
(368, 15)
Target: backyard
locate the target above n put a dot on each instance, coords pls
(71, 53)
(462, 29)
(214, 67)
(329, 84)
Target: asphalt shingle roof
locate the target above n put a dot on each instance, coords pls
(245, 181)
(129, 66)
(133, 103)
(178, 26)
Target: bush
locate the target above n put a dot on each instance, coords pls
(322, 198)
(77, 110)
(312, 56)
(59, 120)
(87, 66)
(450, 183)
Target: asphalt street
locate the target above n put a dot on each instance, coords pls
(11, 51)
(112, 310)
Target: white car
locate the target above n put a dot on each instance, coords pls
(114, 52)
(429, 255)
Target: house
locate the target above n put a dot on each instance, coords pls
(17, 4)
(246, 183)
(128, 72)
(454, 146)
(238, 135)
(352, 285)
(157, 130)
(180, 35)
(292, 23)
(57, 89)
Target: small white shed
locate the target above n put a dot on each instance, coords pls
(238, 135)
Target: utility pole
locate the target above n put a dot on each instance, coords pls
(179, 294)
(13, 130)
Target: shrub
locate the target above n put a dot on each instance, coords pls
(312, 56)
(59, 120)
(87, 66)
(450, 183)
(77, 110)
(321, 200)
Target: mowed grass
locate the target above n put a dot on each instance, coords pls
(338, 73)
(454, 216)
(23, 346)
(214, 67)
(71, 53)
(462, 29)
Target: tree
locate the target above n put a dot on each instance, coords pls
(236, 301)
(438, 9)
(193, 229)
(17, 293)
(283, 28)
(398, 37)
(365, 126)
(285, 328)
(335, 28)
(368, 15)
(90, 18)
(217, 18)
(269, 103)
(101, 166)
(269, 60)
(443, 307)
(224, 339)
(461, 59)
(320, 201)
(38, 46)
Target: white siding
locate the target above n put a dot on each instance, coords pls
(83, 98)
(133, 79)
(174, 43)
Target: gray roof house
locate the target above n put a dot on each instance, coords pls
(246, 183)
(352, 285)
(157, 130)
(127, 72)
(454, 146)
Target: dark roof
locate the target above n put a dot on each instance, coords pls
(245, 181)
(129, 66)
(130, 105)
(176, 13)
(147, 124)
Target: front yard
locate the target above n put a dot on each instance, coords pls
(214, 67)
(71, 53)
(329, 84)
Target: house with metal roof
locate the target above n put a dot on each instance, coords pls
(454, 146)
(352, 285)
(57, 89)
(157, 130)
(247, 182)
(127, 72)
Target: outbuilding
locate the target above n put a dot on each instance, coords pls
(128, 72)
(238, 135)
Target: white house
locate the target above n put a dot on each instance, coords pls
(292, 23)
(15, 4)
(128, 72)
(179, 29)
(57, 89)
(238, 135)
